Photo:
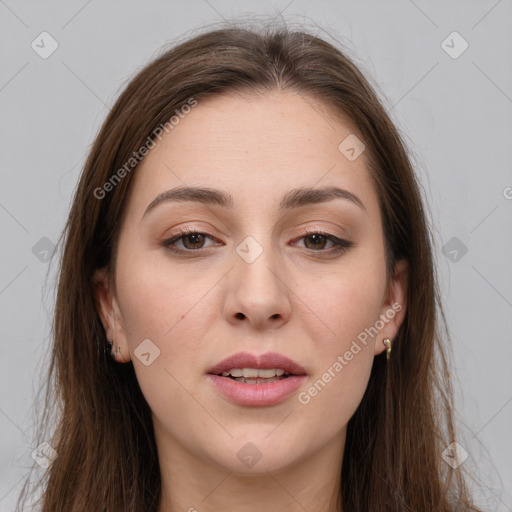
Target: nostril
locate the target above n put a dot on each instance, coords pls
(241, 316)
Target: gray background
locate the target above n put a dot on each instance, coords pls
(454, 112)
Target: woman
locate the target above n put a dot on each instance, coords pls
(246, 312)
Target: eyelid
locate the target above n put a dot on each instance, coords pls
(310, 230)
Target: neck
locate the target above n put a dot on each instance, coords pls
(193, 484)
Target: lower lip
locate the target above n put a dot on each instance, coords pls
(257, 394)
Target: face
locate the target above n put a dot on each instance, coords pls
(307, 280)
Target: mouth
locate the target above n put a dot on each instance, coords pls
(257, 381)
(252, 369)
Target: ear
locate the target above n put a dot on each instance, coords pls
(394, 306)
(110, 315)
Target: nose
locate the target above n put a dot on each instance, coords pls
(259, 291)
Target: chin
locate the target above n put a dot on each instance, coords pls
(251, 455)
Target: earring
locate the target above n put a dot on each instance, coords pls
(387, 342)
(108, 349)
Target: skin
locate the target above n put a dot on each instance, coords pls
(294, 301)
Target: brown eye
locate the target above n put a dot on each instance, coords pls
(190, 240)
(196, 240)
(315, 241)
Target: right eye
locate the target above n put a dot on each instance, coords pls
(194, 239)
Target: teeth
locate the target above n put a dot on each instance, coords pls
(257, 381)
(265, 374)
(250, 373)
(253, 373)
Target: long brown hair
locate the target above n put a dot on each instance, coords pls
(107, 458)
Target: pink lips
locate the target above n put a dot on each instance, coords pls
(264, 394)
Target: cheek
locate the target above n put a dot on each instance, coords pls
(170, 307)
(173, 312)
(156, 295)
(345, 306)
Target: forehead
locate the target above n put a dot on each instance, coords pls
(254, 145)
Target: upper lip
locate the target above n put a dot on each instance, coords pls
(262, 362)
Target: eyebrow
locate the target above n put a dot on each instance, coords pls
(293, 199)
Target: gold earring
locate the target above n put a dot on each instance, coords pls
(387, 342)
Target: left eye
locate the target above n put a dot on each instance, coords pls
(318, 240)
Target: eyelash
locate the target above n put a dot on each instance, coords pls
(342, 245)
